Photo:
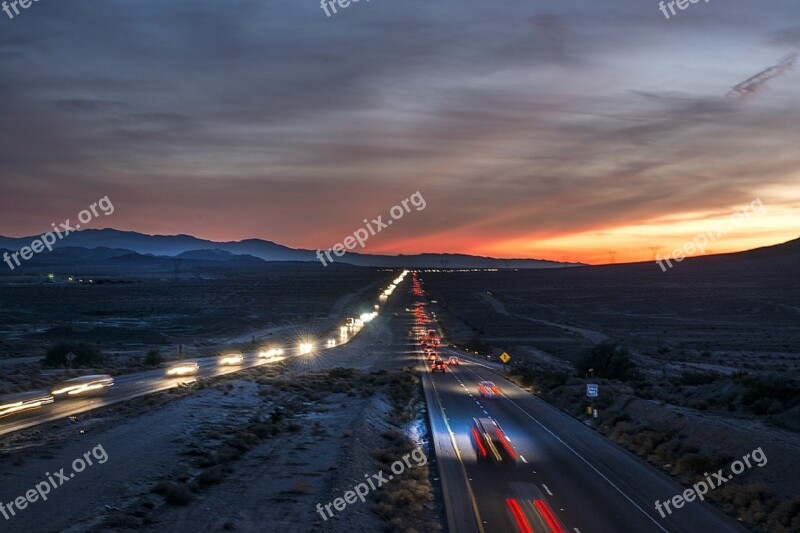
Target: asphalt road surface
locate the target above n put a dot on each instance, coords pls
(591, 484)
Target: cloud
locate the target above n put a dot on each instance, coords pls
(268, 119)
(758, 83)
(786, 37)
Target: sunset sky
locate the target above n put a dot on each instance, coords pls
(575, 131)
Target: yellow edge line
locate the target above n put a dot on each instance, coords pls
(475, 512)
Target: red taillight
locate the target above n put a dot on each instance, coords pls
(519, 516)
(548, 515)
(507, 446)
(479, 442)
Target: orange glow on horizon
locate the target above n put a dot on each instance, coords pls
(738, 228)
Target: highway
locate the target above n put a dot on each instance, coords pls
(126, 387)
(590, 483)
(133, 385)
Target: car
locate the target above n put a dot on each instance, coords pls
(488, 389)
(432, 356)
(453, 360)
(529, 510)
(231, 359)
(182, 368)
(438, 366)
(82, 386)
(491, 441)
(270, 353)
(23, 401)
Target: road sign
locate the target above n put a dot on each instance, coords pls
(591, 390)
(505, 358)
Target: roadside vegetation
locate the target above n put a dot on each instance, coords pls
(82, 355)
(214, 453)
(405, 503)
(671, 441)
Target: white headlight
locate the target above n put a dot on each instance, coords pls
(305, 348)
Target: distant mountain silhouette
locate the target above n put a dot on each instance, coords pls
(114, 243)
(94, 250)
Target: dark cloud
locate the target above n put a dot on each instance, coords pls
(268, 119)
(758, 82)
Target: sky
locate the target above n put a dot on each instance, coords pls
(566, 130)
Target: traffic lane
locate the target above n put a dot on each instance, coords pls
(579, 497)
(472, 358)
(126, 387)
(623, 476)
(490, 479)
(459, 499)
(131, 387)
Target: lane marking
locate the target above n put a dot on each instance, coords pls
(476, 514)
(590, 465)
(547, 489)
(579, 456)
(524, 460)
(473, 501)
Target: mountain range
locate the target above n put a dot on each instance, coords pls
(114, 245)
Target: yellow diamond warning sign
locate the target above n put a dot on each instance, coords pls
(504, 357)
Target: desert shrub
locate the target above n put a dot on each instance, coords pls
(476, 343)
(276, 415)
(702, 405)
(177, 494)
(786, 516)
(211, 476)
(242, 441)
(393, 435)
(540, 379)
(122, 520)
(667, 451)
(384, 455)
(757, 390)
(153, 358)
(697, 378)
(300, 486)
(608, 360)
(337, 373)
(174, 493)
(692, 463)
(262, 430)
(85, 355)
